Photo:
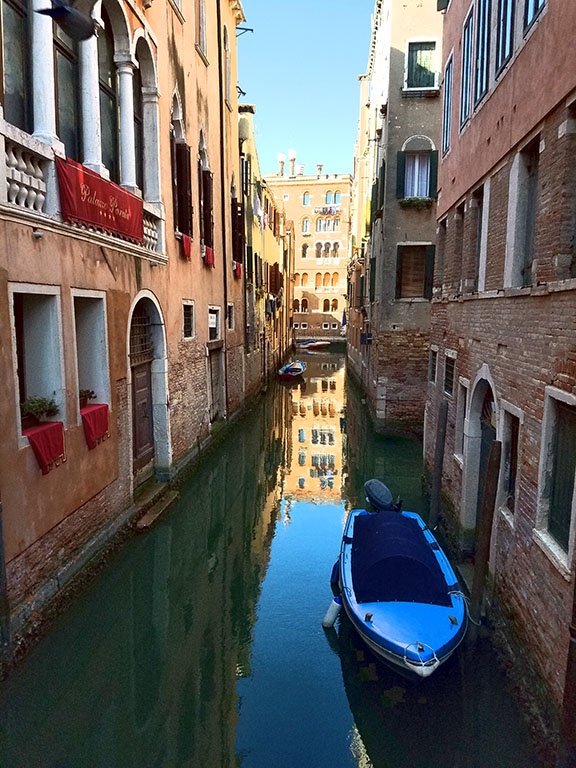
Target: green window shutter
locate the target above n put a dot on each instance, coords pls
(441, 5)
(382, 189)
(373, 202)
(562, 480)
(429, 273)
(433, 183)
(398, 271)
(372, 279)
(400, 174)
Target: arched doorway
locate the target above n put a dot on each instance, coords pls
(148, 390)
(479, 433)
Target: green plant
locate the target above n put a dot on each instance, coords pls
(39, 406)
(89, 394)
(416, 202)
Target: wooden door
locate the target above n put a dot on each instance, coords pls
(142, 414)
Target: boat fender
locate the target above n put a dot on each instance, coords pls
(368, 617)
(332, 613)
(334, 583)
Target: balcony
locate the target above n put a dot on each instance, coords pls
(30, 192)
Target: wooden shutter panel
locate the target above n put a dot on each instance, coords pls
(174, 178)
(433, 183)
(207, 207)
(183, 188)
(398, 271)
(382, 188)
(372, 279)
(237, 230)
(429, 273)
(441, 5)
(400, 174)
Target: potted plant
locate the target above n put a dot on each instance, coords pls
(85, 395)
(35, 409)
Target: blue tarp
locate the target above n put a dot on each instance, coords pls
(392, 561)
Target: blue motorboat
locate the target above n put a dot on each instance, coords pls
(292, 370)
(397, 586)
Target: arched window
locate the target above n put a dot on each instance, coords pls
(297, 278)
(305, 226)
(337, 197)
(334, 305)
(318, 280)
(17, 79)
(326, 307)
(336, 227)
(304, 279)
(296, 305)
(318, 250)
(201, 25)
(326, 249)
(306, 198)
(146, 114)
(108, 87)
(227, 61)
(335, 249)
(335, 279)
(319, 225)
(304, 305)
(304, 250)
(328, 198)
(326, 279)
(67, 73)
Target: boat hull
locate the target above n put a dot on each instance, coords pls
(414, 637)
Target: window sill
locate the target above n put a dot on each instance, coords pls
(415, 202)
(227, 102)
(508, 516)
(420, 93)
(553, 551)
(214, 344)
(177, 11)
(459, 459)
(202, 55)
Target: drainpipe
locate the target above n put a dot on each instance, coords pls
(4, 605)
(223, 200)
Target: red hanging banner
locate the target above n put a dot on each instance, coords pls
(87, 198)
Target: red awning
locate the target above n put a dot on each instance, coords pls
(86, 198)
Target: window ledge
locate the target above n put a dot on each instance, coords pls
(508, 516)
(415, 202)
(553, 551)
(422, 93)
(459, 459)
(202, 55)
(214, 344)
(227, 102)
(177, 11)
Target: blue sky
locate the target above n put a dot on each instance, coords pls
(300, 69)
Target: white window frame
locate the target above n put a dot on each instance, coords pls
(417, 40)
(101, 385)
(230, 318)
(189, 303)
(558, 556)
(303, 326)
(218, 312)
(433, 350)
(449, 354)
(421, 164)
(466, 69)
(508, 410)
(463, 388)
(447, 105)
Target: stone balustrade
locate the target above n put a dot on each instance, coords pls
(26, 173)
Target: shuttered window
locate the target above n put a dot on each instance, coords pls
(562, 476)
(421, 65)
(414, 271)
(206, 202)
(181, 186)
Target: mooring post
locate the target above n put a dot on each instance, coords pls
(438, 462)
(4, 606)
(484, 534)
(567, 751)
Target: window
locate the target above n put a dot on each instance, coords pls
(335, 249)
(213, 323)
(201, 26)
(67, 77)
(296, 279)
(318, 250)
(449, 371)
(334, 306)
(227, 64)
(465, 95)
(188, 320)
(335, 326)
(304, 306)
(326, 326)
(91, 343)
(460, 416)
(326, 251)
(296, 326)
(304, 279)
(432, 365)
(417, 178)
(447, 107)
(304, 250)
(522, 215)
(36, 316)
(558, 468)
(335, 279)
(533, 8)
(230, 317)
(306, 198)
(510, 442)
(17, 80)
(181, 185)
(326, 281)
(108, 85)
(328, 198)
(205, 200)
(296, 305)
(326, 307)
(138, 127)
(336, 225)
(505, 38)
(304, 326)
(421, 65)
(319, 225)
(337, 197)
(482, 49)
(415, 267)
(305, 226)
(481, 232)
(318, 280)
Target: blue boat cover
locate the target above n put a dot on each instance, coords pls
(392, 561)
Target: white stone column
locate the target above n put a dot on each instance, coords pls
(150, 120)
(126, 102)
(42, 56)
(90, 109)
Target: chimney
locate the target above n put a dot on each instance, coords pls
(319, 166)
(292, 158)
(281, 160)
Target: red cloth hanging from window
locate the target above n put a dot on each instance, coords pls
(186, 246)
(47, 441)
(95, 421)
(209, 256)
(237, 269)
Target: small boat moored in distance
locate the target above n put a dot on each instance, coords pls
(291, 370)
(312, 344)
(397, 586)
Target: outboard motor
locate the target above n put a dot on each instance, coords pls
(380, 497)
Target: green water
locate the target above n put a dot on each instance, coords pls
(201, 645)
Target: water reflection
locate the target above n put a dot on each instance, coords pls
(201, 643)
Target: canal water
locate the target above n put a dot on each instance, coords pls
(201, 646)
